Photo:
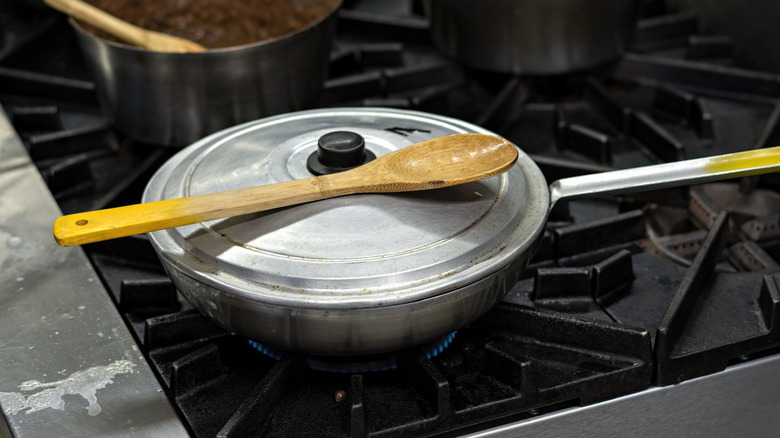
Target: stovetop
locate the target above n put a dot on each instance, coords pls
(656, 311)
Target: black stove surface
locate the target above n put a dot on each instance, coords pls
(623, 294)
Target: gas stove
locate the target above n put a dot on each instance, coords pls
(654, 313)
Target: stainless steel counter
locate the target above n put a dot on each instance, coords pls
(68, 364)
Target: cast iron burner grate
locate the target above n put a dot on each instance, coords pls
(514, 361)
(359, 364)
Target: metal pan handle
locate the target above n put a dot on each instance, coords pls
(679, 173)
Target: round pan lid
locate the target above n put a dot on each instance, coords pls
(356, 251)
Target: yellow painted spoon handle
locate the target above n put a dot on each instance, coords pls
(94, 226)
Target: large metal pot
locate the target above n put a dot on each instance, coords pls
(177, 98)
(355, 275)
(533, 36)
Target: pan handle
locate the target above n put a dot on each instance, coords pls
(679, 173)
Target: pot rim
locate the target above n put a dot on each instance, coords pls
(266, 42)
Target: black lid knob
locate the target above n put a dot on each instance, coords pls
(338, 151)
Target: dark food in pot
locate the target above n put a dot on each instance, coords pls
(218, 23)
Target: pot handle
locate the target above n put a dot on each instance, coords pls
(678, 173)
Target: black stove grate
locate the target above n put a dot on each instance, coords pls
(512, 361)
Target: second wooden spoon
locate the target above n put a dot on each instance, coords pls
(439, 162)
(123, 30)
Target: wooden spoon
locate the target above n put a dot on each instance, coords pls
(123, 30)
(440, 162)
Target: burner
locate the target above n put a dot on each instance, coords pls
(709, 199)
(359, 364)
(433, 348)
(677, 233)
(268, 351)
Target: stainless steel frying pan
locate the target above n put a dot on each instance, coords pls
(370, 273)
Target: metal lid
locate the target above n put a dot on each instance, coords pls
(349, 252)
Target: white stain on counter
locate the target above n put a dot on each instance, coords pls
(14, 242)
(84, 383)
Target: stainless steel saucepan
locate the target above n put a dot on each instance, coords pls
(177, 98)
(370, 273)
(537, 37)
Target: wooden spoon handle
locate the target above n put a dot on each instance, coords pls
(94, 226)
(435, 163)
(123, 30)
